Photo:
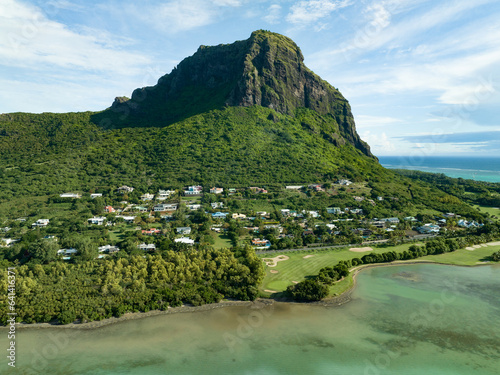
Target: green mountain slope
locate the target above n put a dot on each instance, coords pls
(234, 115)
(235, 145)
(266, 70)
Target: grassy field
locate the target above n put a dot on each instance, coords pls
(297, 267)
(463, 257)
(221, 240)
(493, 211)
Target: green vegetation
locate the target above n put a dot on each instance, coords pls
(308, 290)
(307, 263)
(94, 290)
(330, 275)
(253, 116)
(485, 195)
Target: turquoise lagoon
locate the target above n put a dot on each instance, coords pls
(411, 319)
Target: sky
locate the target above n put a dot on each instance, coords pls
(422, 76)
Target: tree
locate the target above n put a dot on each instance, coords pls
(308, 290)
(87, 248)
(43, 251)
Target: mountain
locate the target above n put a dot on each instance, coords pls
(265, 70)
(242, 114)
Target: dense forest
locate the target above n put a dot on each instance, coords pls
(95, 290)
(477, 192)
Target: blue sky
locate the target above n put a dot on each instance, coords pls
(422, 76)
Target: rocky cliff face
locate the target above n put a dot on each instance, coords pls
(265, 70)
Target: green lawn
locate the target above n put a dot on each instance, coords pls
(463, 257)
(493, 211)
(221, 240)
(296, 268)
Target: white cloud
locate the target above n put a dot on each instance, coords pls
(231, 3)
(309, 11)
(380, 143)
(367, 121)
(273, 14)
(180, 15)
(29, 39)
(64, 4)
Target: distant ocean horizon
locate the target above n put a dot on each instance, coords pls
(473, 168)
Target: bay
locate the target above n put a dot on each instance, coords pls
(411, 319)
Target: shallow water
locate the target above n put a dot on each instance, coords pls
(413, 319)
(474, 168)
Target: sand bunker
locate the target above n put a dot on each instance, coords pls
(360, 249)
(470, 248)
(493, 244)
(274, 271)
(308, 256)
(270, 291)
(272, 262)
(295, 282)
(476, 246)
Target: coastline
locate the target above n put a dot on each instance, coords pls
(345, 296)
(333, 301)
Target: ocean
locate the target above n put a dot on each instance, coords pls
(474, 168)
(409, 319)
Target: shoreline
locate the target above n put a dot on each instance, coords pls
(345, 296)
(333, 301)
(258, 303)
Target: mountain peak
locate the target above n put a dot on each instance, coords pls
(267, 70)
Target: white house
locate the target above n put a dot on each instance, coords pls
(217, 205)
(7, 241)
(183, 230)
(193, 207)
(216, 190)
(95, 195)
(274, 226)
(185, 240)
(239, 216)
(147, 197)
(165, 207)
(334, 210)
(96, 220)
(125, 189)
(127, 219)
(70, 195)
(285, 212)
(344, 182)
(69, 251)
(164, 194)
(391, 220)
(108, 248)
(193, 190)
(40, 223)
(294, 187)
(145, 247)
(313, 214)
